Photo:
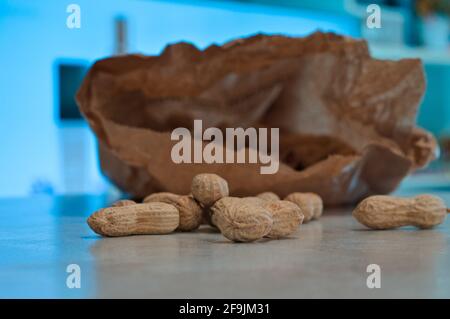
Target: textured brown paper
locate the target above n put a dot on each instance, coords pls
(347, 121)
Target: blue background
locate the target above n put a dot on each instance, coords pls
(39, 153)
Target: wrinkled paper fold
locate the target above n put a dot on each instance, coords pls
(347, 121)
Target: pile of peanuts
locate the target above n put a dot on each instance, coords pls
(238, 219)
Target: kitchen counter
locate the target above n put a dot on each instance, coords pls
(40, 236)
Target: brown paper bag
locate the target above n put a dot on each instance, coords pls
(347, 121)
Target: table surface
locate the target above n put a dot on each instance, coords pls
(40, 236)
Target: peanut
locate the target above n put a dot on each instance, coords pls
(160, 197)
(139, 219)
(253, 200)
(268, 196)
(123, 202)
(250, 200)
(310, 204)
(241, 221)
(286, 216)
(208, 188)
(190, 211)
(317, 204)
(387, 212)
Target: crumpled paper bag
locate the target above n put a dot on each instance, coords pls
(347, 121)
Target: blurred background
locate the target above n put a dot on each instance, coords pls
(47, 148)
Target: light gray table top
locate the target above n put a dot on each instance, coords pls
(41, 236)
